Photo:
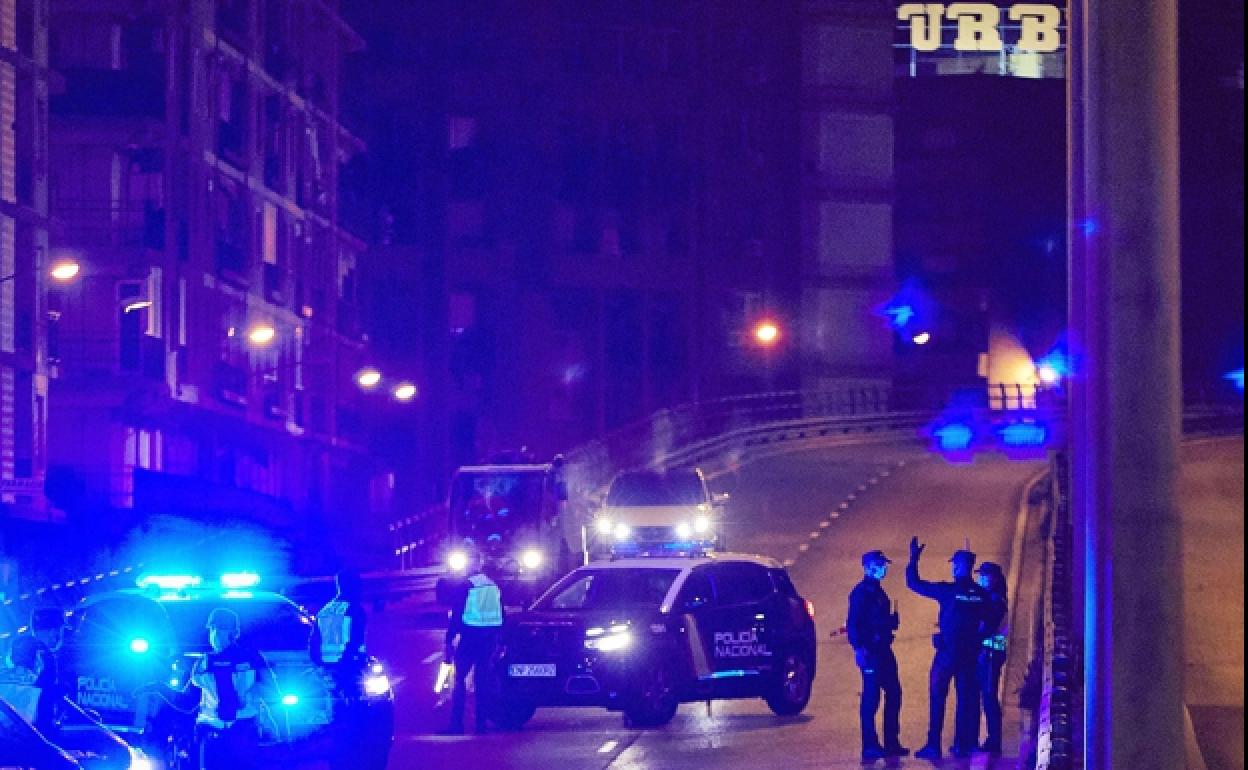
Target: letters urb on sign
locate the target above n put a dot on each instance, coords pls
(978, 26)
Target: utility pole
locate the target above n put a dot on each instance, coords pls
(1126, 406)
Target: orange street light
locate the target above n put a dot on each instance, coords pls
(922, 338)
(65, 270)
(766, 333)
(261, 334)
(404, 391)
(368, 377)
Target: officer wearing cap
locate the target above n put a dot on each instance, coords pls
(225, 684)
(993, 635)
(870, 626)
(475, 619)
(963, 604)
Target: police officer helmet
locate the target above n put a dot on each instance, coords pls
(871, 558)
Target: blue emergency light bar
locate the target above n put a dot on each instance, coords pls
(170, 582)
(240, 580)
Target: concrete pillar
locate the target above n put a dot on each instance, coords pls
(1127, 414)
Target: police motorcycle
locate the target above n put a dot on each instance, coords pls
(155, 633)
(643, 635)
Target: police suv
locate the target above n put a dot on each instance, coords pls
(123, 640)
(643, 635)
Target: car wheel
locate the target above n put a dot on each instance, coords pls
(791, 692)
(511, 714)
(656, 702)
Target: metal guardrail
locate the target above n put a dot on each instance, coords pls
(1056, 744)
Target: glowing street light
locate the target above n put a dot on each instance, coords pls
(404, 391)
(261, 334)
(922, 338)
(65, 270)
(1048, 374)
(368, 377)
(767, 333)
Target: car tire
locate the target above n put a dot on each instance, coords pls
(509, 714)
(791, 691)
(656, 701)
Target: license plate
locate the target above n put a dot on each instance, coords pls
(531, 670)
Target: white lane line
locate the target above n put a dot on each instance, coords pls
(433, 656)
(834, 515)
(608, 747)
(804, 547)
(814, 534)
(824, 524)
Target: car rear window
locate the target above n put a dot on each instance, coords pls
(741, 583)
(610, 589)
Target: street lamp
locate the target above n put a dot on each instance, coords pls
(766, 333)
(922, 338)
(261, 334)
(368, 378)
(62, 271)
(404, 391)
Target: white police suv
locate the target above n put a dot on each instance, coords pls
(643, 635)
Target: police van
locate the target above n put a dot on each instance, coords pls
(643, 635)
(123, 640)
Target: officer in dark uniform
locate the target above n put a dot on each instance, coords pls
(870, 627)
(962, 608)
(337, 640)
(475, 619)
(993, 635)
(38, 651)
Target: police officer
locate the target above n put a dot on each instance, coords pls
(476, 616)
(993, 634)
(870, 628)
(337, 640)
(36, 652)
(962, 607)
(226, 685)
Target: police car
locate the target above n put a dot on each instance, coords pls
(123, 640)
(643, 635)
(77, 742)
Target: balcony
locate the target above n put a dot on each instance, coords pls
(89, 224)
(137, 93)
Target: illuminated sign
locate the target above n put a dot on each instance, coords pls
(978, 26)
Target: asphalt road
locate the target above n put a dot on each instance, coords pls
(819, 510)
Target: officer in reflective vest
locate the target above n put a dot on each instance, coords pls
(337, 641)
(994, 632)
(475, 619)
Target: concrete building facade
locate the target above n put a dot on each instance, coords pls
(205, 361)
(24, 256)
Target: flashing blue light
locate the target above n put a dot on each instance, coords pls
(139, 646)
(900, 315)
(170, 582)
(955, 437)
(235, 580)
(290, 699)
(1236, 378)
(1024, 434)
(1090, 226)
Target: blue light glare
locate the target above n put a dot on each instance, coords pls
(900, 315)
(955, 437)
(1236, 378)
(1024, 434)
(139, 646)
(290, 699)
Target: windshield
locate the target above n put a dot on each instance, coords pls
(484, 505)
(610, 589)
(648, 488)
(269, 625)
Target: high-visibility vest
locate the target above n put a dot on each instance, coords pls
(335, 627)
(484, 606)
(17, 686)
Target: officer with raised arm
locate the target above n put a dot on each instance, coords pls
(962, 606)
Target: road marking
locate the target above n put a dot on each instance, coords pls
(804, 547)
(814, 534)
(433, 656)
(834, 515)
(862, 487)
(873, 480)
(824, 524)
(608, 747)
(851, 497)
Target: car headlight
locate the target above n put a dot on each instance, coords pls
(531, 559)
(139, 761)
(376, 685)
(290, 700)
(604, 526)
(611, 639)
(622, 531)
(684, 530)
(457, 561)
(702, 525)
